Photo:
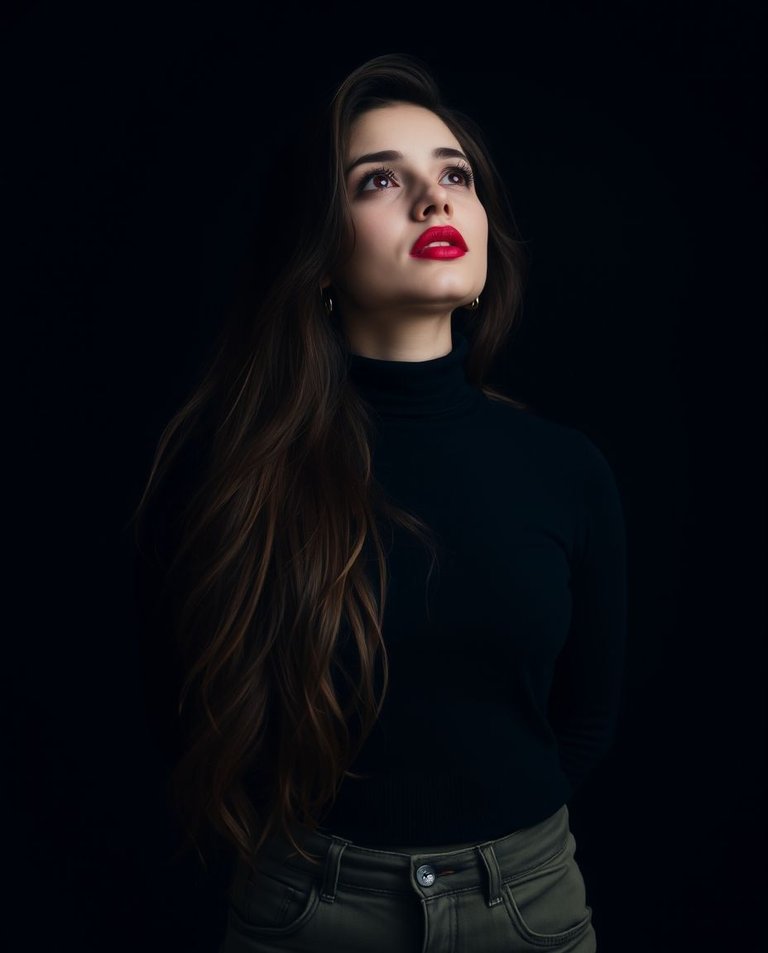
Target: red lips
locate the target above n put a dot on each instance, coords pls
(439, 233)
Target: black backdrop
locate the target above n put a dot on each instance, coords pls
(631, 138)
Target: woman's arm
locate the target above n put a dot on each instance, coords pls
(588, 681)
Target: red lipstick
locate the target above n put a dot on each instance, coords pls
(439, 233)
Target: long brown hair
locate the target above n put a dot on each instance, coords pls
(269, 562)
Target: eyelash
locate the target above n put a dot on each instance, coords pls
(462, 168)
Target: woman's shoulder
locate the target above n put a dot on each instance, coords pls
(529, 419)
(540, 433)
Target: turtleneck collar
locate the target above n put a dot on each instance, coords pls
(412, 389)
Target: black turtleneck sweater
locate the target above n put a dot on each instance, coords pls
(506, 666)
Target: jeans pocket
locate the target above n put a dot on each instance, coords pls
(263, 904)
(548, 904)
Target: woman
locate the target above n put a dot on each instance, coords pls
(386, 742)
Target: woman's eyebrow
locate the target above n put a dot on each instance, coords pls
(390, 155)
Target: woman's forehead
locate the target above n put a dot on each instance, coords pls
(397, 126)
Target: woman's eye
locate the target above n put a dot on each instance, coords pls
(376, 179)
(460, 177)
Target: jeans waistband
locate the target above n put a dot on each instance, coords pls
(432, 871)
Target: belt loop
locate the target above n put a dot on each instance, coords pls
(494, 873)
(331, 873)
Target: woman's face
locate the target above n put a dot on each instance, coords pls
(393, 201)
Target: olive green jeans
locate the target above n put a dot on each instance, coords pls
(518, 893)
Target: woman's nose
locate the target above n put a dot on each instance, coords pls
(434, 199)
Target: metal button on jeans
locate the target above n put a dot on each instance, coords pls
(426, 875)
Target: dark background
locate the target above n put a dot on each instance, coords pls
(631, 137)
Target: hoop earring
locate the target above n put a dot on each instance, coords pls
(327, 301)
(475, 304)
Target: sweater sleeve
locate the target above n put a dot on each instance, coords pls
(588, 679)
